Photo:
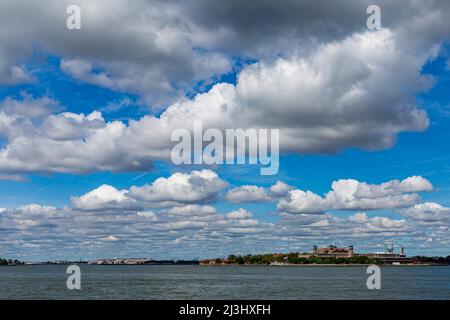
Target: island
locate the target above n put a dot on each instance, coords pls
(330, 255)
(10, 262)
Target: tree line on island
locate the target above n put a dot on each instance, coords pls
(293, 258)
(10, 262)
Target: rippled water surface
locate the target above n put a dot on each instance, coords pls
(224, 282)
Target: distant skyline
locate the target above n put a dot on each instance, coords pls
(86, 118)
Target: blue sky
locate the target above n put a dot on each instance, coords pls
(424, 153)
(86, 172)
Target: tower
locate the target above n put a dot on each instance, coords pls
(390, 247)
(350, 249)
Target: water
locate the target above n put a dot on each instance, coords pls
(223, 282)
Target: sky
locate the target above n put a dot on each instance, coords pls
(86, 117)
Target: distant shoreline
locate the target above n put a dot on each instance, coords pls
(327, 265)
(238, 265)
